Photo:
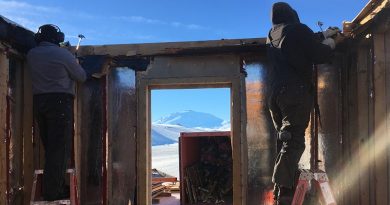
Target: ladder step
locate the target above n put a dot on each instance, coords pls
(58, 202)
(318, 177)
(40, 171)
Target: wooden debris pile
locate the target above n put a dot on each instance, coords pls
(159, 189)
(210, 179)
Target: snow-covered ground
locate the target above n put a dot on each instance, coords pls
(166, 158)
(166, 132)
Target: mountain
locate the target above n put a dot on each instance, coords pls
(191, 119)
(159, 139)
(167, 130)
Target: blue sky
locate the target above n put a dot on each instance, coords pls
(145, 21)
(141, 21)
(215, 101)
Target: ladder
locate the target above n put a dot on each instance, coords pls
(321, 180)
(35, 194)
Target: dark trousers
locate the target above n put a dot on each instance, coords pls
(290, 108)
(53, 114)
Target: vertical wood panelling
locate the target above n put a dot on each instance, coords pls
(387, 67)
(380, 140)
(362, 126)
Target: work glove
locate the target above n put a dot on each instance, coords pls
(331, 32)
(329, 42)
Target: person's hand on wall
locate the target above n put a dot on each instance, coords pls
(331, 32)
(339, 38)
(329, 42)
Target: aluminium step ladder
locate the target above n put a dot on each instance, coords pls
(35, 193)
(321, 181)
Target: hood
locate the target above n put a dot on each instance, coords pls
(282, 13)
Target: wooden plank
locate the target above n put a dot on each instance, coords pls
(353, 124)
(28, 167)
(380, 141)
(16, 153)
(362, 109)
(143, 146)
(4, 71)
(238, 197)
(387, 56)
(164, 179)
(150, 49)
(244, 143)
(77, 137)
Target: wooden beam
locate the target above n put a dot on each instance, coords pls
(376, 7)
(153, 49)
(4, 71)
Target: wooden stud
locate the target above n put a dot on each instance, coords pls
(28, 167)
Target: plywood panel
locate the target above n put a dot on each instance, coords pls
(380, 138)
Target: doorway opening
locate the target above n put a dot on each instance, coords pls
(191, 146)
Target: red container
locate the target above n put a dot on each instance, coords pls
(190, 153)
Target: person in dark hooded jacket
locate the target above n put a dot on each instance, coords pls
(292, 48)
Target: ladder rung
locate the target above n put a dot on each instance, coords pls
(58, 202)
(40, 171)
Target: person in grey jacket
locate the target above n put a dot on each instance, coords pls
(54, 71)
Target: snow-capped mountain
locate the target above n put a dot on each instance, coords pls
(167, 130)
(191, 119)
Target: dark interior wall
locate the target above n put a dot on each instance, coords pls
(122, 121)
